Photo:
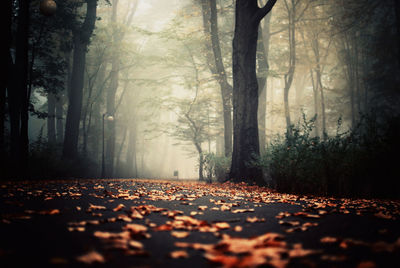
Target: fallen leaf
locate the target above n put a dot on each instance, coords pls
(91, 257)
(180, 234)
(179, 254)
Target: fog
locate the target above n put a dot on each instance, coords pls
(151, 95)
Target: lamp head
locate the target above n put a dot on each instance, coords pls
(48, 7)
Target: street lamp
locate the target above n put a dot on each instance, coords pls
(109, 118)
(48, 7)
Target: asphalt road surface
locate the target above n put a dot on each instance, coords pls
(154, 223)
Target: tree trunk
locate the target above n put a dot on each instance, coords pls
(7, 65)
(20, 115)
(51, 114)
(291, 10)
(131, 153)
(201, 161)
(246, 148)
(263, 68)
(121, 147)
(60, 119)
(71, 136)
(210, 25)
(81, 38)
(316, 103)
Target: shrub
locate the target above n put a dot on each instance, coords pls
(359, 162)
(216, 166)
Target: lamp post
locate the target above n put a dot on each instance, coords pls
(109, 118)
(48, 7)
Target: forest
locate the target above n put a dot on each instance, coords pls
(149, 89)
(201, 133)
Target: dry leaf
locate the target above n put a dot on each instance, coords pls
(91, 257)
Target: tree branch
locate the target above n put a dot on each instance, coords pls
(261, 12)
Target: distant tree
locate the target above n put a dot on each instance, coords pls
(210, 25)
(81, 37)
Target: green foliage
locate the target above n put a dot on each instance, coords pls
(216, 166)
(359, 162)
(45, 162)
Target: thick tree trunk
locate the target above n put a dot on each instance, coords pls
(51, 114)
(7, 65)
(81, 41)
(245, 91)
(397, 15)
(210, 25)
(20, 115)
(70, 149)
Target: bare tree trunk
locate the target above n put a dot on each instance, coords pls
(70, 149)
(81, 38)
(316, 102)
(131, 153)
(246, 148)
(263, 68)
(51, 114)
(121, 147)
(201, 161)
(59, 119)
(291, 10)
(210, 25)
(19, 95)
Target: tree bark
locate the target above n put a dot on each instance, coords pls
(81, 38)
(316, 102)
(7, 65)
(291, 10)
(246, 148)
(20, 98)
(131, 153)
(263, 68)
(59, 119)
(51, 114)
(210, 25)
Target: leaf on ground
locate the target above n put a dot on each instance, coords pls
(119, 207)
(180, 234)
(254, 219)
(179, 254)
(91, 257)
(243, 210)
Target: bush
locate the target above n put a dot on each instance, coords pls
(360, 162)
(216, 166)
(45, 162)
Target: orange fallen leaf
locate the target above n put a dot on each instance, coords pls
(328, 239)
(242, 210)
(254, 219)
(119, 207)
(222, 225)
(135, 244)
(135, 228)
(180, 234)
(238, 228)
(366, 264)
(91, 257)
(179, 254)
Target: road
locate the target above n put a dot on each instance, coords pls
(155, 223)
